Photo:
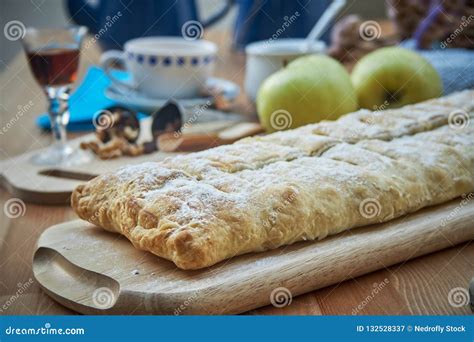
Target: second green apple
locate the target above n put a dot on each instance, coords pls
(393, 77)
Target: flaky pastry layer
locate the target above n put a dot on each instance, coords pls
(304, 184)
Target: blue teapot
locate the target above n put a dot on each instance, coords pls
(114, 22)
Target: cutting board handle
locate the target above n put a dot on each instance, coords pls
(65, 281)
(92, 259)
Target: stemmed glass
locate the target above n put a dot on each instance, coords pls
(53, 57)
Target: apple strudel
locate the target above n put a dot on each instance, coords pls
(304, 184)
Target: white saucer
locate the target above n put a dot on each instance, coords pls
(134, 99)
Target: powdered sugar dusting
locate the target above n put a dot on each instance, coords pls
(147, 171)
(197, 198)
(237, 177)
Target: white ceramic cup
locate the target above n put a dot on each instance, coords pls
(164, 67)
(268, 56)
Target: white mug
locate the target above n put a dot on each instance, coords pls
(164, 67)
(268, 56)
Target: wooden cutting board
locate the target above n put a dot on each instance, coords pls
(96, 272)
(53, 185)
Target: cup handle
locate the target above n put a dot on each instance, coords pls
(106, 61)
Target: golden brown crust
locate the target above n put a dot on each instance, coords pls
(265, 192)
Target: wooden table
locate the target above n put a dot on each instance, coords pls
(419, 286)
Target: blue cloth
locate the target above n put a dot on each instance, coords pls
(86, 100)
(455, 66)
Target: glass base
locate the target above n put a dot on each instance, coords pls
(61, 155)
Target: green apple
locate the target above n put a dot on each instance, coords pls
(392, 77)
(308, 90)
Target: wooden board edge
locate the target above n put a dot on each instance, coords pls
(453, 232)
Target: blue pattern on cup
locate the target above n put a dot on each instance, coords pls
(167, 61)
(152, 60)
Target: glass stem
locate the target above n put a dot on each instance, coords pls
(58, 113)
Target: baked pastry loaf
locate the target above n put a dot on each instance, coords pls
(304, 184)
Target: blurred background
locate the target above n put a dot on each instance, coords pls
(40, 13)
(442, 31)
